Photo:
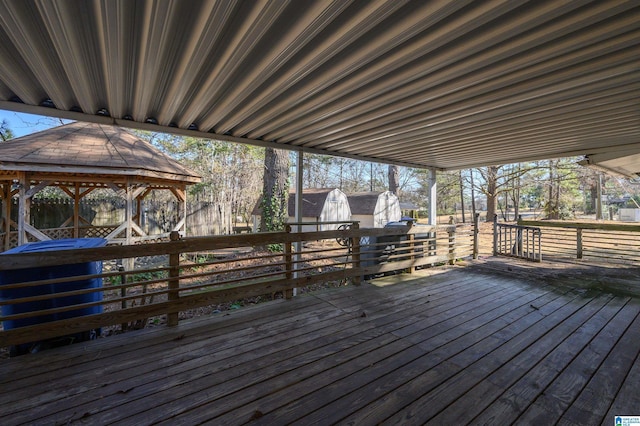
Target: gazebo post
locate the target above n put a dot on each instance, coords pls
(181, 196)
(128, 191)
(76, 211)
(24, 207)
(6, 214)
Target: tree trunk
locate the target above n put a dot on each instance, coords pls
(473, 194)
(275, 190)
(394, 181)
(553, 203)
(492, 196)
(593, 193)
(516, 195)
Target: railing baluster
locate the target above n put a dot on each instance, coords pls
(515, 240)
(476, 221)
(174, 280)
(579, 243)
(355, 254)
(288, 263)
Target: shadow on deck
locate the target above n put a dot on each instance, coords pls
(459, 345)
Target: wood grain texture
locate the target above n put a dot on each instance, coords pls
(459, 344)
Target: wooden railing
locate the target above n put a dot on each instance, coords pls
(617, 243)
(203, 272)
(523, 242)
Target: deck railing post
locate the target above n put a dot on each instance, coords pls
(539, 246)
(476, 222)
(452, 243)
(355, 253)
(288, 262)
(519, 250)
(579, 243)
(495, 234)
(123, 293)
(411, 246)
(174, 279)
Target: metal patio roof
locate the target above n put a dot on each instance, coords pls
(444, 84)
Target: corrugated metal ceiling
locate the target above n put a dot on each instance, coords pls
(445, 84)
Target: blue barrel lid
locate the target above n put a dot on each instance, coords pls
(56, 245)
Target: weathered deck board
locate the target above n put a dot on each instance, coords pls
(455, 347)
(310, 379)
(538, 381)
(340, 339)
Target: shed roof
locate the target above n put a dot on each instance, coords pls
(91, 149)
(313, 200)
(364, 203)
(446, 84)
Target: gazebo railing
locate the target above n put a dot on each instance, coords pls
(84, 232)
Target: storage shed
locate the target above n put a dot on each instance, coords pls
(374, 209)
(318, 205)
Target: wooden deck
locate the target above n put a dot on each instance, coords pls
(458, 346)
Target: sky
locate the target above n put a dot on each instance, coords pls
(25, 124)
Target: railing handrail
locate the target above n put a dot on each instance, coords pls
(518, 226)
(580, 240)
(319, 222)
(191, 244)
(581, 225)
(395, 249)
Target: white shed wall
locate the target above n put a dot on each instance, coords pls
(336, 209)
(366, 220)
(387, 210)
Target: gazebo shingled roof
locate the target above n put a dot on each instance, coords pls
(86, 148)
(78, 158)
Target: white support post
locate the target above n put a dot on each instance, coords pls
(433, 198)
(298, 214)
(599, 215)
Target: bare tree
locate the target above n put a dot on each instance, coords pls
(5, 131)
(498, 179)
(462, 195)
(394, 179)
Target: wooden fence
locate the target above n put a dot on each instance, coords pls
(198, 272)
(102, 216)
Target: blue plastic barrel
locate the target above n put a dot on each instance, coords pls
(52, 272)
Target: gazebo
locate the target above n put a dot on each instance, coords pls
(79, 158)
